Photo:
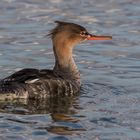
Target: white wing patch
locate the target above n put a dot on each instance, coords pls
(31, 81)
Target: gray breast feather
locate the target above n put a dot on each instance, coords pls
(36, 88)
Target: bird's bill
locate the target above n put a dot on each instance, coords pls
(94, 37)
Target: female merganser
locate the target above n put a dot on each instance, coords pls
(63, 80)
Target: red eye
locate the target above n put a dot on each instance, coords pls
(83, 33)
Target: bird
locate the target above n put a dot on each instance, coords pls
(63, 80)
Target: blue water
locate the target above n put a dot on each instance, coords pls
(108, 107)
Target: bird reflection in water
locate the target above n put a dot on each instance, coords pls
(62, 112)
(39, 106)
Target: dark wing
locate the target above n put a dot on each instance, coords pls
(29, 74)
(17, 82)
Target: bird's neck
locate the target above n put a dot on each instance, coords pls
(64, 62)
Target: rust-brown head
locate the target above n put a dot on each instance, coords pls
(73, 33)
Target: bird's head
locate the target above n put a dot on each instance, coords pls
(72, 33)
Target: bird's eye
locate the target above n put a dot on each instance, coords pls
(83, 33)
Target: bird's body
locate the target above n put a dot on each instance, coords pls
(63, 79)
(33, 83)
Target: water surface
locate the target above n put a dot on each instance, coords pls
(108, 107)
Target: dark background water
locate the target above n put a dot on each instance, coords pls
(108, 107)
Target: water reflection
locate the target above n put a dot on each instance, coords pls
(39, 106)
(58, 110)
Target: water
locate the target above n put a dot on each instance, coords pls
(108, 107)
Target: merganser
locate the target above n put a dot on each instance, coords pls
(63, 80)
